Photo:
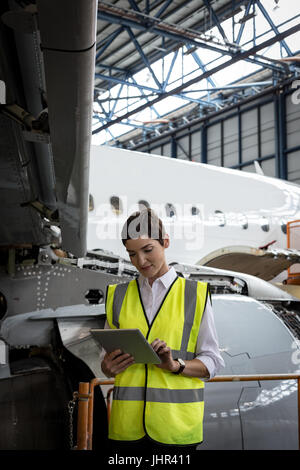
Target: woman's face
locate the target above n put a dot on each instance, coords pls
(148, 256)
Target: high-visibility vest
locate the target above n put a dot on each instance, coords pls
(148, 400)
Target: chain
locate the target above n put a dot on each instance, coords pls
(71, 406)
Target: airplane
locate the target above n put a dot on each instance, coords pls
(214, 216)
(52, 288)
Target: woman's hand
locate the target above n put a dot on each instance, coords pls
(116, 362)
(193, 368)
(165, 355)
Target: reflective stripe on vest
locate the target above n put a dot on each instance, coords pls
(147, 399)
(161, 395)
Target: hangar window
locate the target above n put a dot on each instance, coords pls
(264, 223)
(116, 205)
(143, 205)
(91, 203)
(170, 210)
(220, 216)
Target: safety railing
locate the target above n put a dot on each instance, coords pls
(85, 397)
(293, 241)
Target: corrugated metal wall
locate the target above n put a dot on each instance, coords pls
(266, 129)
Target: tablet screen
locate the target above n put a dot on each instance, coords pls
(130, 341)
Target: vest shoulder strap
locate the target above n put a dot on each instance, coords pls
(190, 298)
(119, 295)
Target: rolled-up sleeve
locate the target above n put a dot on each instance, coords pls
(207, 344)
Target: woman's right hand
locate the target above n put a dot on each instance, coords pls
(115, 362)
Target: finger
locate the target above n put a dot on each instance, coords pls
(155, 342)
(117, 369)
(121, 358)
(159, 345)
(163, 351)
(114, 354)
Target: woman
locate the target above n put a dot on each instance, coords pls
(159, 407)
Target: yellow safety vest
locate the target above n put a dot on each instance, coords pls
(148, 400)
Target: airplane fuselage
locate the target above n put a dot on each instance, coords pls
(203, 207)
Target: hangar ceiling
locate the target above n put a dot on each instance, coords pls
(151, 51)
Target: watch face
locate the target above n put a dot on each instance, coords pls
(181, 362)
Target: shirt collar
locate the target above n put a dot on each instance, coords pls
(166, 279)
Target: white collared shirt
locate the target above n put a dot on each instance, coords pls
(207, 343)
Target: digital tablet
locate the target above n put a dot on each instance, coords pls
(130, 341)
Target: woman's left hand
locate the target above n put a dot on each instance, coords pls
(165, 355)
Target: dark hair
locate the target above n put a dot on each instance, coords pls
(144, 222)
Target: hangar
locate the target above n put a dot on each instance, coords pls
(97, 100)
(230, 67)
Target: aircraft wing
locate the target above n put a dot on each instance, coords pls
(265, 264)
(47, 67)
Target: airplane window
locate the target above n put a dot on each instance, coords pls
(170, 210)
(143, 205)
(91, 203)
(243, 221)
(116, 205)
(220, 216)
(264, 223)
(283, 226)
(195, 211)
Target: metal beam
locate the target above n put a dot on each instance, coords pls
(173, 147)
(111, 113)
(230, 87)
(176, 36)
(108, 42)
(113, 67)
(204, 143)
(229, 113)
(238, 57)
(123, 98)
(166, 81)
(201, 65)
(144, 58)
(280, 123)
(134, 5)
(163, 9)
(215, 103)
(242, 27)
(273, 26)
(215, 19)
(146, 98)
(126, 82)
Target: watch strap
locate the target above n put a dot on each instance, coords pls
(181, 367)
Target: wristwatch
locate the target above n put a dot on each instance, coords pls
(182, 366)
